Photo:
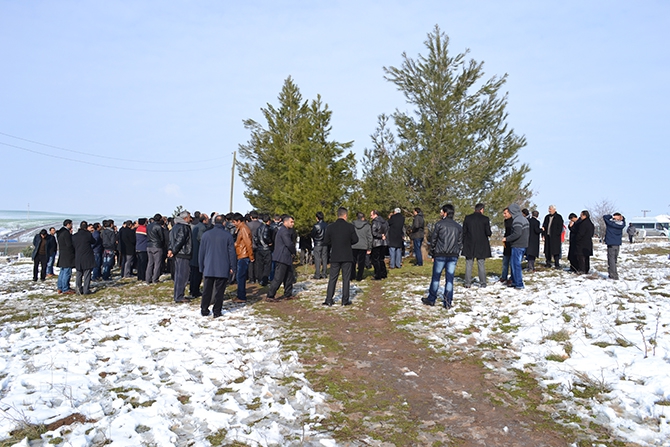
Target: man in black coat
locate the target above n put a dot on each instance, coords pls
(552, 229)
(534, 232)
(284, 251)
(417, 234)
(84, 260)
(320, 250)
(65, 257)
(573, 259)
(395, 238)
(127, 240)
(340, 236)
(585, 242)
(180, 250)
(42, 250)
(379, 244)
(476, 233)
(217, 262)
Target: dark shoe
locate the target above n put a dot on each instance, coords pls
(290, 297)
(238, 301)
(180, 301)
(348, 303)
(327, 303)
(447, 304)
(427, 302)
(207, 314)
(272, 299)
(216, 315)
(69, 292)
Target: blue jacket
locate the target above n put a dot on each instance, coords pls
(614, 230)
(216, 254)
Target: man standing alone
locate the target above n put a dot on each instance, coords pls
(340, 235)
(476, 233)
(446, 241)
(283, 257)
(614, 229)
(552, 229)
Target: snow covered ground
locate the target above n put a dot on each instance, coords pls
(603, 345)
(148, 375)
(163, 375)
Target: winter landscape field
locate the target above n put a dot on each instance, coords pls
(126, 367)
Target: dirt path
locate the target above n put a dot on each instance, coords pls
(399, 391)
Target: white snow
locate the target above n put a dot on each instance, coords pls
(164, 375)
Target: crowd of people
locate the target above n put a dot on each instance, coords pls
(208, 252)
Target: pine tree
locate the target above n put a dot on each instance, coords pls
(455, 146)
(291, 165)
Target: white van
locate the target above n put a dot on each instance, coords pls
(651, 226)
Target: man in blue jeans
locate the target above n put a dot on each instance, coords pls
(518, 242)
(446, 241)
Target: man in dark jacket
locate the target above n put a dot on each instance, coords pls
(65, 257)
(395, 238)
(320, 250)
(42, 249)
(83, 257)
(199, 226)
(97, 252)
(585, 242)
(417, 234)
(127, 241)
(253, 223)
(109, 247)
(573, 226)
(476, 233)
(518, 241)
(534, 232)
(180, 250)
(141, 248)
(614, 226)
(446, 242)
(264, 243)
(379, 244)
(505, 278)
(156, 244)
(51, 260)
(340, 236)
(284, 250)
(552, 230)
(217, 262)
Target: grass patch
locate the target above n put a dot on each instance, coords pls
(558, 336)
(217, 438)
(556, 358)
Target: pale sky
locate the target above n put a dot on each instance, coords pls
(169, 83)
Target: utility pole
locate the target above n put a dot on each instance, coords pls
(232, 181)
(644, 212)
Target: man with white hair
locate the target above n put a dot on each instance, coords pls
(552, 230)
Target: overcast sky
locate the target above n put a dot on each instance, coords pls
(167, 84)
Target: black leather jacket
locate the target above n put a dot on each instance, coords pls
(446, 239)
(155, 237)
(379, 229)
(180, 241)
(263, 238)
(318, 233)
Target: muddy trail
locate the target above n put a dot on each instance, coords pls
(394, 389)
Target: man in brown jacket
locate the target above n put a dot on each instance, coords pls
(245, 255)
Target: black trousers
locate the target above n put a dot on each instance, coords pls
(40, 259)
(359, 263)
(283, 274)
(263, 265)
(142, 261)
(195, 278)
(213, 286)
(335, 268)
(377, 258)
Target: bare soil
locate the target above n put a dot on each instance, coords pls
(398, 391)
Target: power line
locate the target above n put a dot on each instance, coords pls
(108, 166)
(108, 157)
